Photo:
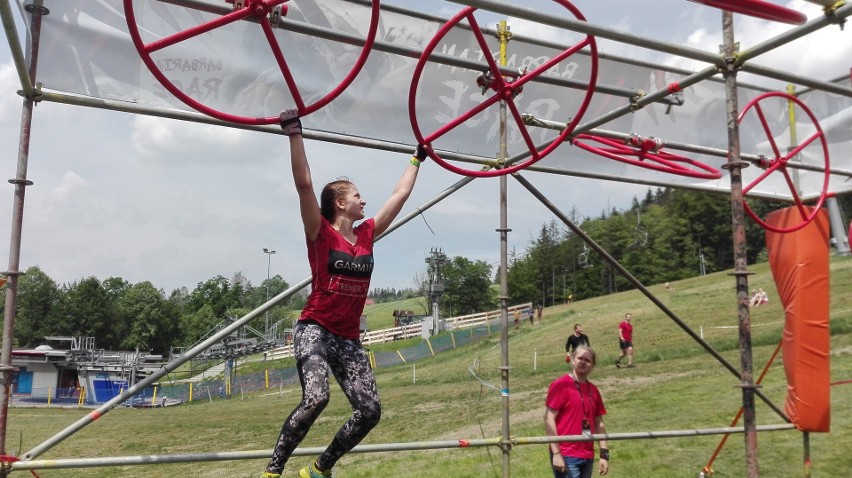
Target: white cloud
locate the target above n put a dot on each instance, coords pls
(697, 37)
(155, 137)
(10, 103)
(814, 55)
(71, 188)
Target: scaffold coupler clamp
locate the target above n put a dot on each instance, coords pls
(484, 80)
(730, 62)
(517, 91)
(36, 95)
(646, 144)
(276, 14)
(831, 14)
(6, 464)
(508, 443)
(634, 100)
(677, 95)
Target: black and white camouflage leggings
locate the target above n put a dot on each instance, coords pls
(318, 350)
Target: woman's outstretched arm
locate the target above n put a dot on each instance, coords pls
(308, 205)
(400, 193)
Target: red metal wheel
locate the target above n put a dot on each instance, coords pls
(257, 11)
(779, 160)
(759, 9)
(503, 89)
(646, 153)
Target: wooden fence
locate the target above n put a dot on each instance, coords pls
(414, 330)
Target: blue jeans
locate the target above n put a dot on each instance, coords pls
(576, 468)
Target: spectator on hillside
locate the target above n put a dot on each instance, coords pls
(538, 313)
(758, 298)
(625, 341)
(574, 341)
(574, 406)
(531, 315)
(762, 298)
(340, 254)
(517, 315)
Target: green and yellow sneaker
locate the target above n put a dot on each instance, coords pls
(311, 471)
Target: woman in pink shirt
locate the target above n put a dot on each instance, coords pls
(574, 407)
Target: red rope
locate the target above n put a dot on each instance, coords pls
(4, 459)
(709, 466)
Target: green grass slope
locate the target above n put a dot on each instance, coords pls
(380, 316)
(675, 386)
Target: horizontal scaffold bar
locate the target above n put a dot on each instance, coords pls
(385, 447)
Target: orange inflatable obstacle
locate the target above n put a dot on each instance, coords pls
(799, 262)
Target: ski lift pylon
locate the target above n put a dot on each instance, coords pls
(640, 234)
(583, 259)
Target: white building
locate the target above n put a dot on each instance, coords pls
(66, 373)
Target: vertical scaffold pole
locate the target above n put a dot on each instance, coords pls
(20, 182)
(505, 443)
(730, 66)
(794, 140)
(806, 446)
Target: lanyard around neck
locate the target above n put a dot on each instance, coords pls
(582, 398)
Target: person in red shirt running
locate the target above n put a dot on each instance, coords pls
(574, 406)
(326, 336)
(625, 341)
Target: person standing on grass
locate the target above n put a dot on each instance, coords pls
(326, 336)
(625, 341)
(573, 407)
(574, 341)
(517, 315)
(762, 298)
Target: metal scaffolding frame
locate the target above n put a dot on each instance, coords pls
(728, 64)
(376, 448)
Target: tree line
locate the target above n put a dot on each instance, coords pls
(125, 316)
(668, 235)
(391, 294)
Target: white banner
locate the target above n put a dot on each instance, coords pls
(86, 49)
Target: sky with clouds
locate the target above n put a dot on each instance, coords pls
(177, 203)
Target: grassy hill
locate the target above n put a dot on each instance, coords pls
(675, 386)
(380, 316)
